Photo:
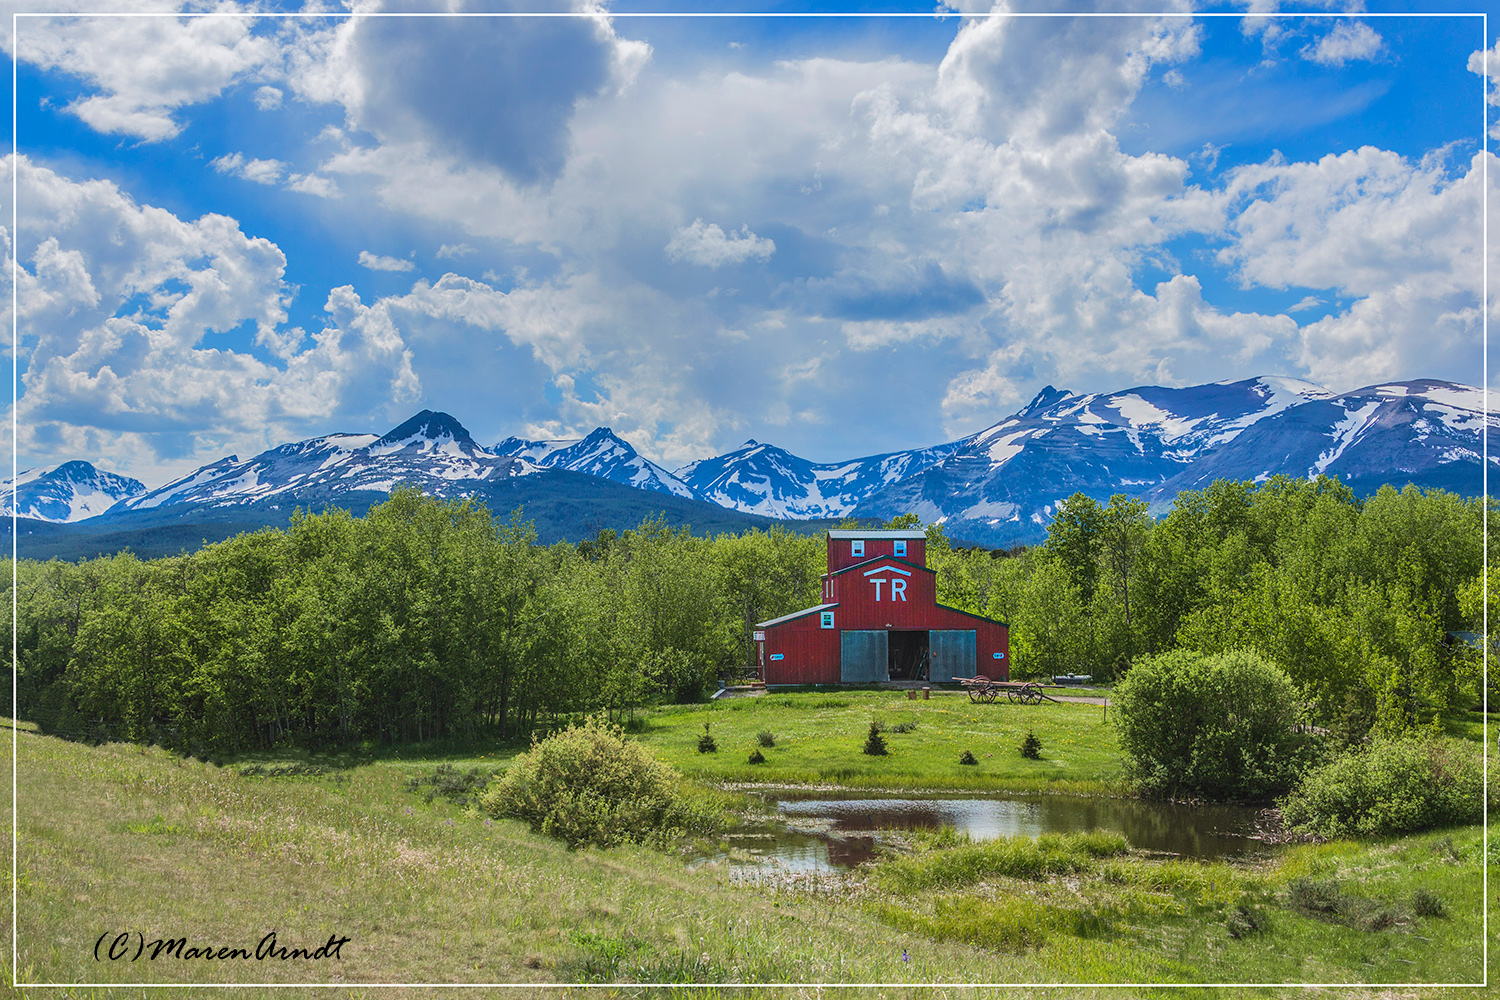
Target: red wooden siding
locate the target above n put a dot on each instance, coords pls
(810, 653)
(856, 594)
(840, 554)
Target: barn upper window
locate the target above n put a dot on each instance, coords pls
(857, 547)
(900, 546)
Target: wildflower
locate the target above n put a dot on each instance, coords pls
(904, 956)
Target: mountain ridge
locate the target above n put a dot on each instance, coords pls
(999, 485)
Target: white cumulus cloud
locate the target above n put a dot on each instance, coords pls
(259, 171)
(1347, 42)
(376, 262)
(707, 244)
(143, 70)
(123, 312)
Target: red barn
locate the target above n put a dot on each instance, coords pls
(880, 621)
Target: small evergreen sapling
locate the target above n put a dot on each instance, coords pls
(706, 742)
(1031, 747)
(967, 757)
(875, 743)
(756, 757)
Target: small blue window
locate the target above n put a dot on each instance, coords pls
(857, 547)
(828, 619)
(901, 547)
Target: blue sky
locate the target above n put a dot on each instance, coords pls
(843, 236)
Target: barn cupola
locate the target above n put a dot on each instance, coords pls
(849, 547)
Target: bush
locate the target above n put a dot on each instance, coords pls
(1221, 726)
(589, 785)
(967, 757)
(875, 743)
(756, 757)
(456, 786)
(1392, 786)
(765, 738)
(1031, 747)
(706, 742)
(1325, 901)
(1426, 903)
(1245, 921)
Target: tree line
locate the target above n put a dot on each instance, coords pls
(1356, 599)
(428, 619)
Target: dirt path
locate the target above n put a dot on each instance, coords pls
(1080, 699)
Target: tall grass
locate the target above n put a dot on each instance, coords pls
(125, 836)
(1005, 857)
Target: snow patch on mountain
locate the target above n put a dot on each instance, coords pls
(431, 450)
(763, 479)
(62, 494)
(603, 454)
(1344, 433)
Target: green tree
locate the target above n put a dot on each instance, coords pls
(1125, 528)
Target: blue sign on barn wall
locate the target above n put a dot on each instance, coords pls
(778, 656)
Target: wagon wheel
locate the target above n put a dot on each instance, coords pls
(974, 694)
(990, 693)
(1033, 694)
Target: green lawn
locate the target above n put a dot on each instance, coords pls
(818, 739)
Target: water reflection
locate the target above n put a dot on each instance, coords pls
(830, 832)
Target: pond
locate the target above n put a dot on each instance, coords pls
(826, 831)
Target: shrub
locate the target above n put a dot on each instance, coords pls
(1218, 726)
(967, 757)
(1324, 901)
(1425, 903)
(765, 738)
(706, 742)
(875, 743)
(903, 727)
(1244, 921)
(1031, 747)
(1392, 786)
(756, 757)
(456, 786)
(589, 785)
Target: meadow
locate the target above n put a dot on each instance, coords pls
(124, 838)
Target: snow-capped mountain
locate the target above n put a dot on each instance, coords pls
(999, 486)
(1002, 484)
(65, 493)
(1424, 432)
(763, 479)
(431, 450)
(601, 453)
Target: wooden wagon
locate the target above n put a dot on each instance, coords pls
(982, 689)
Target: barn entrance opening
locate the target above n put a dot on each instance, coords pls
(908, 656)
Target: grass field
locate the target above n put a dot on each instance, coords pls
(818, 739)
(120, 838)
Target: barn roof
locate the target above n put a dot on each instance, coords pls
(878, 533)
(797, 614)
(865, 565)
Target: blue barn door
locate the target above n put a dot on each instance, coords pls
(952, 653)
(864, 657)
